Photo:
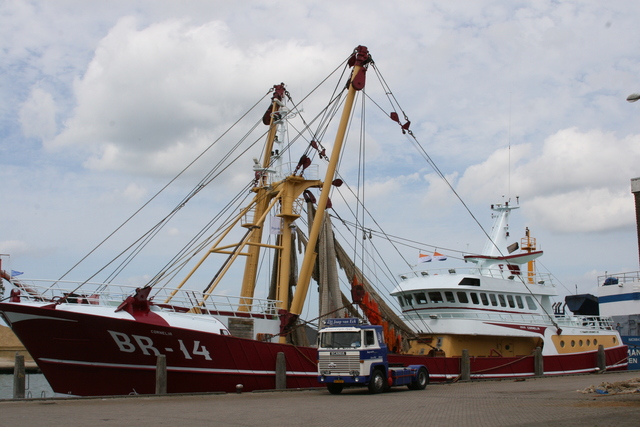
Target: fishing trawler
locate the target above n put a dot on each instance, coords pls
(499, 308)
(99, 338)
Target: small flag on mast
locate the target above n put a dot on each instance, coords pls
(438, 256)
(424, 258)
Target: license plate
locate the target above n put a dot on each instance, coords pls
(338, 381)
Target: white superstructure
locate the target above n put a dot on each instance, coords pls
(499, 307)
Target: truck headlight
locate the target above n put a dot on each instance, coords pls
(354, 373)
(326, 372)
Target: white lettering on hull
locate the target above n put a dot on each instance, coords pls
(145, 345)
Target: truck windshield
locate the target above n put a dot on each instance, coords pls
(340, 340)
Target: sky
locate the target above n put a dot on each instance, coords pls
(102, 103)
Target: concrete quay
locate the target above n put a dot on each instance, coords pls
(533, 402)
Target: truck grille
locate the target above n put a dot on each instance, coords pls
(339, 364)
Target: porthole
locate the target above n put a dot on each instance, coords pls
(614, 340)
(580, 343)
(562, 343)
(588, 343)
(595, 342)
(573, 343)
(507, 347)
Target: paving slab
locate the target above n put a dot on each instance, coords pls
(553, 401)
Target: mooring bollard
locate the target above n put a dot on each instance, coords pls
(239, 388)
(602, 359)
(465, 366)
(281, 371)
(161, 374)
(538, 362)
(18, 377)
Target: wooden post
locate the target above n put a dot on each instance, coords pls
(281, 372)
(161, 374)
(538, 362)
(465, 366)
(602, 359)
(18, 377)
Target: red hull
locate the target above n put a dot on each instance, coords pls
(88, 355)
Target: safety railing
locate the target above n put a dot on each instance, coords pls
(590, 322)
(113, 295)
(544, 279)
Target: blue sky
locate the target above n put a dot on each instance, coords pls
(103, 102)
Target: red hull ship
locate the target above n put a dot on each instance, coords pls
(96, 339)
(105, 356)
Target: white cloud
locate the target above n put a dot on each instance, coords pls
(134, 192)
(140, 87)
(152, 97)
(583, 211)
(577, 182)
(15, 247)
(37, 115)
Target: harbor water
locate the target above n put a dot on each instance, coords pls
(36, 386)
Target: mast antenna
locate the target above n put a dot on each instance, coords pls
(509, 151)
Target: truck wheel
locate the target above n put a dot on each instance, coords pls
(377, 382)
(335, 388)
(422, 379)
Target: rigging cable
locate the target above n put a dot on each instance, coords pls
(425, 155)
(152, 198)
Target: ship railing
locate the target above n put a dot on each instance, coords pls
(597, 322)
(229, 305)
(628, 277)
(93, 293)
(537, 278)
(522, 318)
(591, 322)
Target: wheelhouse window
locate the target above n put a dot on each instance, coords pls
(485, 300)
(474, 298)
(449, 296)
(421, 298)
(503, 302)
(435, 297)
(519, 301)
(494, 301)
(531, 303)
(408, 299)
(511, 302)
(469, 281)
(462, 297)
(401, 300)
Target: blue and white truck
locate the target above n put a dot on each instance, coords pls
(351, 353)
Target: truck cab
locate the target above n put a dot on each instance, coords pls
(351, 353)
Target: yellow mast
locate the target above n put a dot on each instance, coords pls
(262, 200)
(528, 244)
(286, 192)
(282, 194)
(358, 60)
